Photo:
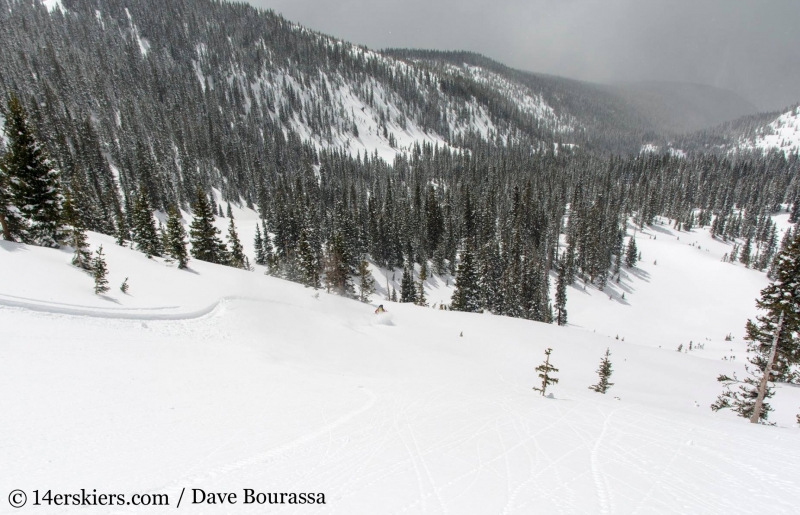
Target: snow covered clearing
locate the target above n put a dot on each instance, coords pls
(221, 379)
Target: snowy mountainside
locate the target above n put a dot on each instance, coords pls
(527, 100)
(782, 134)
(763, 132)
(223, 379)
(222, 77)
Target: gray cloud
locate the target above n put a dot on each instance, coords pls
(748, 46)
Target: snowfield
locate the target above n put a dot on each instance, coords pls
(223, 380)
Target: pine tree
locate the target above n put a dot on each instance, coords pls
(206, 245)
(11, 223)
(366, 284)
(742, 400)
(162, 239)
(122, 231)
(175, 245)
(782, 297)
(145, 234)
(545, 369)
(604, 372)
(337, 271)
(744, 258)
(561, 296)
(785, 242)
(269, 254)
(99, 272)
(421, 300)
(235, 257)
(124, 286)
(632, 253)
(394, 295)
(76, 235)
(774, 350)
(258, 245)
(467, 295)
(32, 183)
(794, 215)
(309, 269)
(408, 287)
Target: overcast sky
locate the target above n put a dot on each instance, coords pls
(751, 47)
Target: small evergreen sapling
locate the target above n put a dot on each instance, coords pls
(604, 372)
(545, 369)
(124, 286)
(99, 272)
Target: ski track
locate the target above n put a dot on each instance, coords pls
(426, 443)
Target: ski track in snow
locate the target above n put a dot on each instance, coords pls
(279, 389)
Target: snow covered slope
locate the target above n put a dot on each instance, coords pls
(223, 380)
(782, 134)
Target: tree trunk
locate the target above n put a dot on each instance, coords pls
(4, 227)
(762, 388)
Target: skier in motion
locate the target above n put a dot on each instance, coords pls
(380, 310)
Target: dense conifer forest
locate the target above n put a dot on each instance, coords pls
(146, 106)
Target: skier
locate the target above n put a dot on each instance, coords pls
(380, 310)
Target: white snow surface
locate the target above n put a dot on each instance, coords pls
(223, 379)
(52, 5)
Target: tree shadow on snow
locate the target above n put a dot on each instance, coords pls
(11, 246)
(639, 274)
(664, 230)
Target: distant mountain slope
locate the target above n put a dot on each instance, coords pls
(611, 117)
(679, 107)
(605, 119)
(762, 132)
(782, 134)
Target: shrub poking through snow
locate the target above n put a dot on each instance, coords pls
(545, 369)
